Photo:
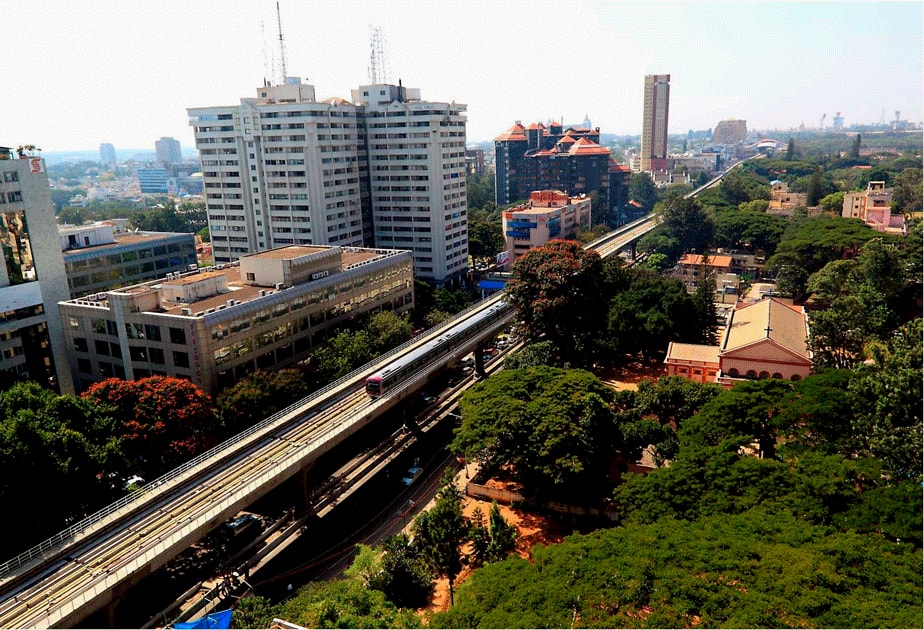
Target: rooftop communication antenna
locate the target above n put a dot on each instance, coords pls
(378, 60)
(282, 44)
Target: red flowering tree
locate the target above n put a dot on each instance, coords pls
(165, 421)
(559, 294)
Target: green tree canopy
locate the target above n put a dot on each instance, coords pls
(809, 244)
(650, 312)
(59, 448)
(752, 570)
(554, 428)
(557, 292)
(685, 221)
(259, 396)
(643, 190)
(440, 532)
(748, 229)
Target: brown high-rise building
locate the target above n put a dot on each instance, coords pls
(654, 124)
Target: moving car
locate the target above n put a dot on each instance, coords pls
(412, 475)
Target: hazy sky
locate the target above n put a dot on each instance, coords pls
(77, 73)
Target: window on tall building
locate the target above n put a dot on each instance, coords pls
(177, 336)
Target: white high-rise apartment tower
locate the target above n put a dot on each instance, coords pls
(279, 169)
(284, 169)
(417, 178)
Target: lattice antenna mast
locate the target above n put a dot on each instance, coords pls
(266, 65)
(282, 44)
(378, 60)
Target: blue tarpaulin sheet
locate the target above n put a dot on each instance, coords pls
(491, 285)
(220, 619)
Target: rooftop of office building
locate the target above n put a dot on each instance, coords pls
(208, 289)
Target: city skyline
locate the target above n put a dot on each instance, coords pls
(125, 73)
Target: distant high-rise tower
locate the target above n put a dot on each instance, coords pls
(654, 124)
(107, 153)
(168, 151)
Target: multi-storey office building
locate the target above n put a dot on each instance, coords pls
(280, 169)
(285, 169)
(216, 325)
(152, 181)
(32, 279)
(417, 177)
(654, 122)
(97, 258)
(549, 214)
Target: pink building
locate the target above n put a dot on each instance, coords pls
(548, 215)
(874, 207)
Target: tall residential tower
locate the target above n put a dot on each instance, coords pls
(168, 151)
(279, 169)
(654, 123)
(417, 177)
(387, 169)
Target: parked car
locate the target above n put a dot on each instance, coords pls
(412, 475)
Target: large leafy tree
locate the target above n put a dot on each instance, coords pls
(809, 244)
(907, 194)
(650, 312)
(165, 421)
(56, 454)
(332, 604)
(643, 190)
(259, 396)
(685, 221)
(672, 399)
(342, 354)
(557, 292)
(759, 230)
(862, 298)
(555, 430)
(397, 569)
(388, 330)
(889, 416)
